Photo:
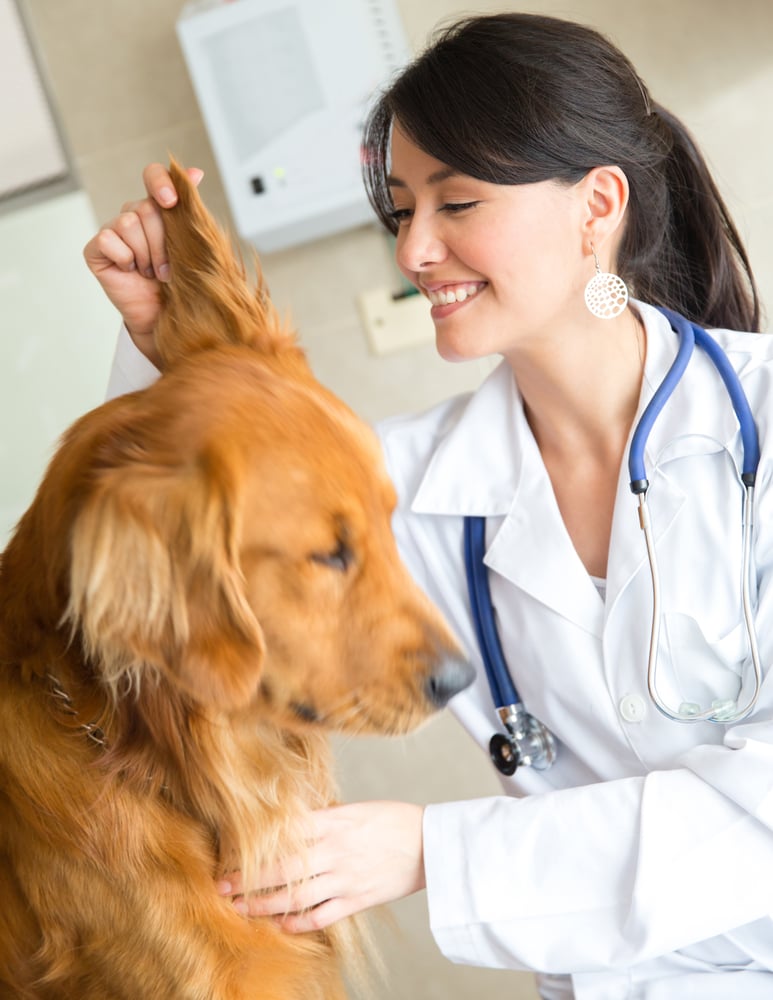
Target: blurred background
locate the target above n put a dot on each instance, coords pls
(112, 92)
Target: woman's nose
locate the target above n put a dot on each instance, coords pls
(419, 245)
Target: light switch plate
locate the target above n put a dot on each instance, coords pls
(395, 324)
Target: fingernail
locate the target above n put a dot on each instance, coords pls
(225, 888)
(166, 196)
(149, 272)
(163, 272)
(240, 905)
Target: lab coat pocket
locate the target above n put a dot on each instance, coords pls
(701, 668)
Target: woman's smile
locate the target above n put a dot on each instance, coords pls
(452, 293)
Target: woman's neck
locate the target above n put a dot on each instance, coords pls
(580, 402)
(581, 392)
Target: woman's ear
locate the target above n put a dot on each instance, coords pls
(606, 193)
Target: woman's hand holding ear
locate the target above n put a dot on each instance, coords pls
(128, 256)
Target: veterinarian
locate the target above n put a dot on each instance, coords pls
(528, 162)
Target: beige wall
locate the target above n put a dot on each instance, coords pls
(124, 99)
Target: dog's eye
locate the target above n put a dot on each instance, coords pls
(339, 559)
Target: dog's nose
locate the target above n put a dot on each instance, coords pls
(449, 679)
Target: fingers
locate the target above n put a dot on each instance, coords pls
(128, 257)
(277, 891)
(292, 899)
(319, 917)
(296, 909)
(159, 184)
(135, 240)
(302, 906)
(132, 241)
(107, 248)
(293, 870)
(361, 855)
(140, 227)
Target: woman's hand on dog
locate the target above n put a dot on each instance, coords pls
(361, 855)
(128, 256)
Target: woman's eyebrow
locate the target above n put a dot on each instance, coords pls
(436, 178)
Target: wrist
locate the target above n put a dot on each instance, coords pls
(145, 343)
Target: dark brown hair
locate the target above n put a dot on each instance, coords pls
(518, 98)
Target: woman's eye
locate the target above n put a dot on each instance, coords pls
(399, 215)
(458, 206)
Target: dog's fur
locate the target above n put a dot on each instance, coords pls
(205, 583)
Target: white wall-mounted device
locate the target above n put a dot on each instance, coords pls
(283, 87)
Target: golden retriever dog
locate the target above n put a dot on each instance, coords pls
(205, 584)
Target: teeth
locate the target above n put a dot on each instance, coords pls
(460, 293)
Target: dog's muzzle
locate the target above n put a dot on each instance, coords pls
(449, 679)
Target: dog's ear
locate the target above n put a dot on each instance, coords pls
(155, 581)
(208, 300)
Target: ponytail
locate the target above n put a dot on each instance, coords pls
(697, 264)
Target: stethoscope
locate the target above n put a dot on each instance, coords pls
(527, 741)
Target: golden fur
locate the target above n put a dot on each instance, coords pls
(204, 584)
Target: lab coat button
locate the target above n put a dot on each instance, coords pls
(632, 707)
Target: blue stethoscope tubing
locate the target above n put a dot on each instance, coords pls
(526, 740)
(689, 335)
(721, 711)
(499, 678)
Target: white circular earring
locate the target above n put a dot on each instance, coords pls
(606, 295)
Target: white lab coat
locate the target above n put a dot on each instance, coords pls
(641, 864)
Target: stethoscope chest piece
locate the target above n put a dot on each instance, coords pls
(503, 754)
(527, 742)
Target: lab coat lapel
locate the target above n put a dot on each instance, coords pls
(533, 549)
(488, 465)
(627, 549)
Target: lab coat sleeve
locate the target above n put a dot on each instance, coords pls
(130, 370)
(598, 877)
